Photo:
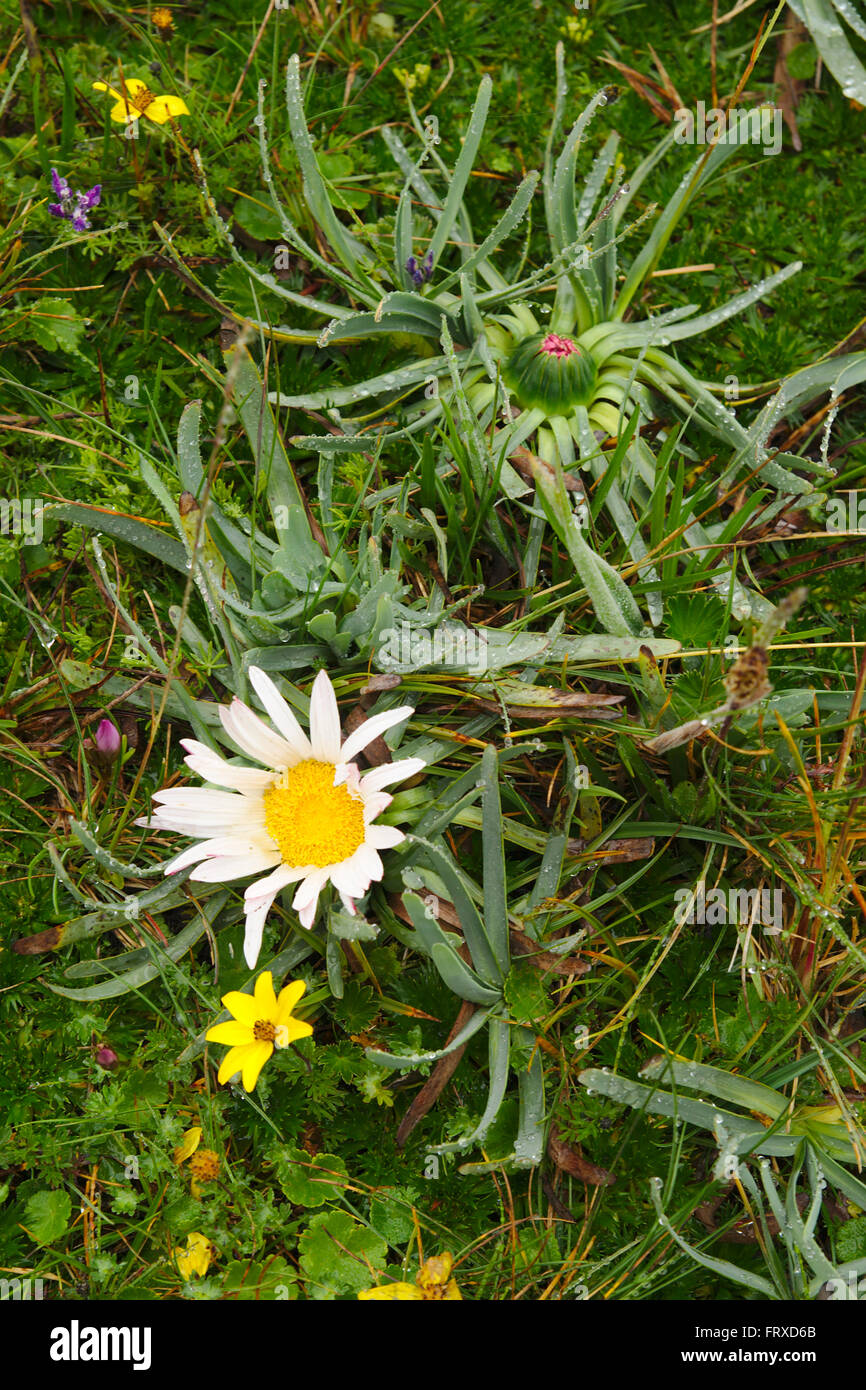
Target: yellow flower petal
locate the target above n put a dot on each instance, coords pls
(233, 1062)
(197, 1256)
(132, 85)
(389, 1292)
(288, 999)
(243, 1007)
(435, 1271)
(266, 1000)
(188, 1144)
(255, 1059)
(234, 1034)
(161, 109)
(296, 1028)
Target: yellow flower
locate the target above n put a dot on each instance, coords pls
(432, 1282)
(138, 100)
(204, 1163)
(262, 1022)
(162, 20)
(204, 1167)
(197, 1255)
(577, 29)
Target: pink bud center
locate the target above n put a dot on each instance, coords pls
(555, 346)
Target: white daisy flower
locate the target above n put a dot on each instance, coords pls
(308, 819)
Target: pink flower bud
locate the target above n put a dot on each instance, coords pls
(107, 739)
(106, 1057)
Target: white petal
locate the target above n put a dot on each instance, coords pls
(389, 773)
(214, 769)
(228, 867)
(254, 738)
(348, 773)
(372, 728)
(212, 848)
(383, 836)
(280, 714)
(324, 721)
(249, 819)
(282, 876)
(349, 878)
(205, 827)
(307, 915)
(254, 927)
(375, 804)
(348, 903)
(308, 893)
(175, 799)
(367, 860)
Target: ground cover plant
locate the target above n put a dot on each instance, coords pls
(431, 724)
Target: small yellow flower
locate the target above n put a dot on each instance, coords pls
(162, 20)
(578, 30)
(431, 1282)
(204, 1165)
(138, 100)
(197, 1255)
(262, 1022)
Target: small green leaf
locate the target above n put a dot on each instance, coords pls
(525, 995)
(250, 1280)
(339, 1255)
(54, 325)
(851, 1241)
(307, 1180)
(46, 1216)
(391, 1213)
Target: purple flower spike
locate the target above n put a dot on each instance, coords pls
(420, 274)
(60, 186)
(74, 204)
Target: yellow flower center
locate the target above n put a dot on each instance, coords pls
(142, 99)
(162, 18)
(312, 821)
(204, 1165)
(276, 1033)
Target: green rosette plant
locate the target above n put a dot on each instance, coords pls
(577, 388)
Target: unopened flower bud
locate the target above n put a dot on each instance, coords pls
(107, 739)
